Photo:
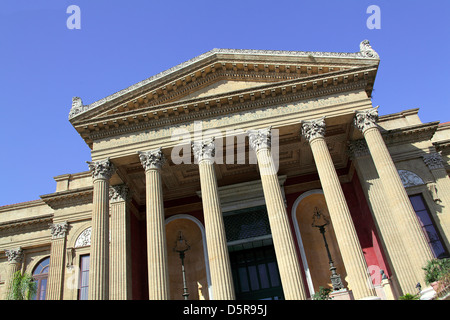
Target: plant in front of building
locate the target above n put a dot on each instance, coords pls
(436, 269)
(322, 294)
(22, 287)
(409, 296)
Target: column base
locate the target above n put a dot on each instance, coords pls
(370, 298)
(343, 294)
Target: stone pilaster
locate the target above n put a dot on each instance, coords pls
(441, 191)
(120, 254)
(401, 209)
(390, 236)
(287, 259)
(158, 274)
(15, 257)
(57, 257)
(219, 261)
(348, 242)
(99, 261)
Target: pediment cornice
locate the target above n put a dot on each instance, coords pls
(284, 75)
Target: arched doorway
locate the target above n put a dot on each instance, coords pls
(195, 261)
(312, 248)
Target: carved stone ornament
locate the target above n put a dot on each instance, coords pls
(259, 139)
(366, 50)
(432, 188)
(433, 160)
(312, 129)
(204, 150)
(102, 169)
(366, 119)
(77, 107)
(409, 178)
(84, 239)
(358, 148)
(58, 230)
(118, 193)
(152, 159)
(14, 255)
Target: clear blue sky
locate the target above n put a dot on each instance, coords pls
(43, 64)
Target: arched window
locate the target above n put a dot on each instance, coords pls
(40, 275)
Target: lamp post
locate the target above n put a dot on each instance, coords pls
(181, 246)
(320, 221)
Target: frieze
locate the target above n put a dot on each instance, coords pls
(224, 120)
(314, 99)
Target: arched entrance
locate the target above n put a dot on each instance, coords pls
(312, 248)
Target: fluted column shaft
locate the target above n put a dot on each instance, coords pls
(390, 236)
(400, 206)
(99, 260)
(15, 257)
(442, 189)
(219, 260)
(120, 255)
(348, 242)
(57, 258)
(158, 274)
(283, 241)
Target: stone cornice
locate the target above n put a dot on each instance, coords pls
(20, 223)
(414, 133)
(212, 106)
(366, 53)
(69, 198)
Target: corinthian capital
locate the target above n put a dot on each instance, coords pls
(366, 119)
(102, 169)
(118, 193)
(312, 129)
(58, 230)
(14, 255)
(204, 150)
(259, 139)
(153, 159)
(433, 160)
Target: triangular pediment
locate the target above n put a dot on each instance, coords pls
(223, 77)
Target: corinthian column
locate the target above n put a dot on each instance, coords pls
(216, 241)
(401, 209)
(388, 231)
(56, 268)
(283, 241)
(441, 190)
(348, 242)
(15, 257)
(120, 288)
(99, 261)
(158, 275)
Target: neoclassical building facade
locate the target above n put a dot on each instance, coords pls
(240, 174)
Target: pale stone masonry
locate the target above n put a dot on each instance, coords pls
(237, 150)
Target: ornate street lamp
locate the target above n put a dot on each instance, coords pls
(320, 221)
(181, 246)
